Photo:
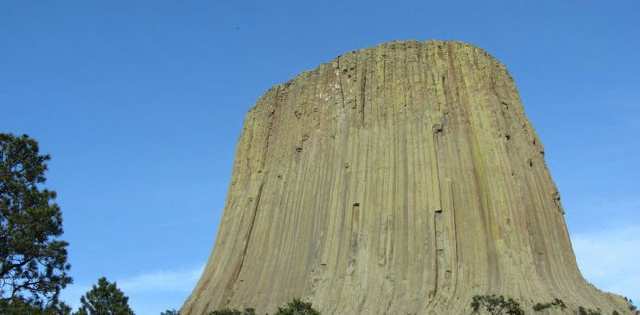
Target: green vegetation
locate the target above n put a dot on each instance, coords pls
(496, 305)
(227, 311)
(539, 307)
(170, 312)
(500, 305)
(33, 261)
(104, 298)
(588, 311)
(295, 307)
(21, 307)
(631, 306)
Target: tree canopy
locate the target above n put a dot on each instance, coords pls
(104, 299)
(33, 261)
(22, 307)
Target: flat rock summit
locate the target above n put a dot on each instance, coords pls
(399, 179)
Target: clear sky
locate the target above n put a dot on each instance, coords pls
(140, 104)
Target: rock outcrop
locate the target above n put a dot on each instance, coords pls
(399, 179)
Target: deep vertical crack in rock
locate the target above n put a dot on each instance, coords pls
(243, 255)
(363, 95)
(339, 75)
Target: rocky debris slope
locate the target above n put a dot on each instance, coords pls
(403, 178)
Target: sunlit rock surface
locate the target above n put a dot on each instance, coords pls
(399, 179)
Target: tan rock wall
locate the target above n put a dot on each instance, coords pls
(403, 178)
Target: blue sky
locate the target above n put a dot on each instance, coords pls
(141, 103)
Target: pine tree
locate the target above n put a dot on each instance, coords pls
(33, 261)
(104, 299)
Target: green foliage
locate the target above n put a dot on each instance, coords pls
(104, 299)
(630, 303)
(496, 305)
(170, 312)
(588, 311)
(297, 307)
(555, 303)
(228, 311)
(21, 307)
(33, 262)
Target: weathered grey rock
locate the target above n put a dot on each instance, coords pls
(403, 178)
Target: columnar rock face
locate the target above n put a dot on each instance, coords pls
(403, 178)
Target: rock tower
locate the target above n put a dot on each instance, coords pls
(399, 179)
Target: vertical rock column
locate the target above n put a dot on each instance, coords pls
(403, 178)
